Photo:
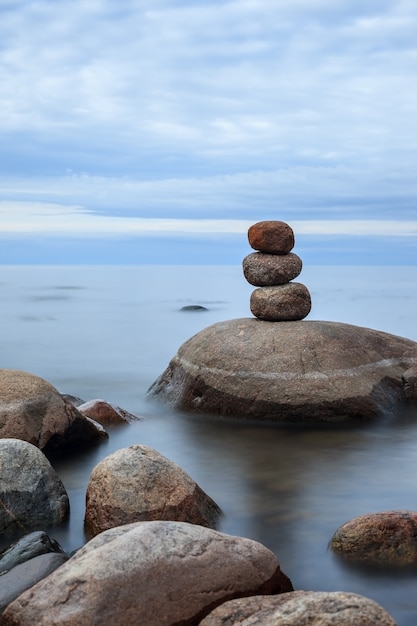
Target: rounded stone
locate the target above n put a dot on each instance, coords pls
(386, 538)
(31, 492)
(32, 409)
(152, 573)
(271, 236)
(264, 270)
(302, 371)
(300, 608)
(139, 484)
(282, 303)
(105, 413)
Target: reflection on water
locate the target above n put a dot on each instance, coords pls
(290, 488)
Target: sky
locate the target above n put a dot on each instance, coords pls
(158, 132)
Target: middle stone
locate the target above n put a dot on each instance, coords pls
(267, 270)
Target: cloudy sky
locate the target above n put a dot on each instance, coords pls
(159, 131)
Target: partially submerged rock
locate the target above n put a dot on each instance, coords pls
(31, 545)
(302, 371)
(138, 484)
(153, 573)
(105, 413)
(193, 307)
(300, 608)
(32, 495)
(25, 575)
(32, 409)
(384, 538)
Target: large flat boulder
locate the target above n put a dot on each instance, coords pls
(150, 573)
(299, 371)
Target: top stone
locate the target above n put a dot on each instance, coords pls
(272, 237)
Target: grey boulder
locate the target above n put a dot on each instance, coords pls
(29, 546)
(32, 495)
(302, 371)
(22, 577)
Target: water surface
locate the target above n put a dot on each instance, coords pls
(108, 332)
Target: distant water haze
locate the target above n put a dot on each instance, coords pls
(108, 332)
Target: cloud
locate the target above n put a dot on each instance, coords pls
(181, 111)
(65, 221)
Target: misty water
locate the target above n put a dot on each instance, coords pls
(109, 332)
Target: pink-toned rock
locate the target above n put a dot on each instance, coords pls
(263, 270)
(271, 236)
(32, 409)
(138, 484)
(300, 608)
(282, 303)
(386, 538)
(150, 573)
(105, 413)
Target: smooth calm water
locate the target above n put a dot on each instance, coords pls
(108, 332)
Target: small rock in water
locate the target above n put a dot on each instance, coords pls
(193, 307)
(272, 237)
(289, 302)
(105, 413)
(386, 538)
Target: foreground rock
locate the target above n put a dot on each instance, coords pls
(387, 538)
(25, 575)
(32, 495)
(31, 409)
(153, 573)
(140, 484)
(304, 371)
(300, 608)
(29, 546)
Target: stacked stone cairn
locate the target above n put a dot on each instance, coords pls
(272, 269)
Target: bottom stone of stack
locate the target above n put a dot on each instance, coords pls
(281, 303)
